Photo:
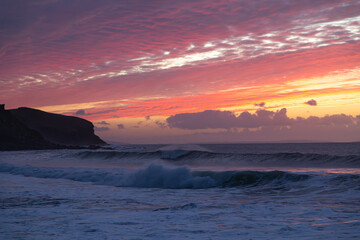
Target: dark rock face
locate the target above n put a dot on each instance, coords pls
(27, 128)
(14, 135)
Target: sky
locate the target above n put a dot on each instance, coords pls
(166, 71)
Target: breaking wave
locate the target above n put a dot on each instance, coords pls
(158, 176)
(264, 159)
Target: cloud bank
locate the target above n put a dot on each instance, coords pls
(263, 126)
(215, 119)
(225, 119)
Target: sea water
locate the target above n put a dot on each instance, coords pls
(219, 191)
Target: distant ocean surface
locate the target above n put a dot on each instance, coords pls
(207, 191)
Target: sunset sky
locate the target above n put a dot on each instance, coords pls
(188, 71)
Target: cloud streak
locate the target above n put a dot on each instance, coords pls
(86, 46)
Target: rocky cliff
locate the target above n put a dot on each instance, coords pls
(27, 128)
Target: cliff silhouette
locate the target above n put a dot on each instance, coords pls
(27, 128)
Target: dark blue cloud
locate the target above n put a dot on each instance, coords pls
(101, 129)
(262, 104)
(80, 112)
(103, 123)
(311, 102)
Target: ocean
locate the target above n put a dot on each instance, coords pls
(205, 191)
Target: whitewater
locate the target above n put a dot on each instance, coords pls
(213, 191)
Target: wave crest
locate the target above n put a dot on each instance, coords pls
(252, 159)
(158, 176)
